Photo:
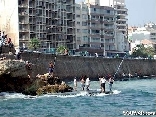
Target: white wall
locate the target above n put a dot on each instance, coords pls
(120, 41)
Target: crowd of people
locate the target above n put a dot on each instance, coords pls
(85, 83)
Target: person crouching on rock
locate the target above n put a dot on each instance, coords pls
(29, 69)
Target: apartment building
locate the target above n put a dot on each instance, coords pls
(101, 28)
(121, 21)
(81, 23)
(50, 21)
(97, 34)
(121, 24)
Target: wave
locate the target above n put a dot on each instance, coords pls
(6, 96)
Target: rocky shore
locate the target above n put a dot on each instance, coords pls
(14, 78)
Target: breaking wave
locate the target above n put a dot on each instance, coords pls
(6, 96)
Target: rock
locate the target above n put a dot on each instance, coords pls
(54, 85)
(14, 78)
(15, 68)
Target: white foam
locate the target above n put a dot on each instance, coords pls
(72, 95)
(16, 96)
(116, 92)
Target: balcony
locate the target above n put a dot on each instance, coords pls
(23, 22)
(23, 14)
(23, 30)
(23, 6)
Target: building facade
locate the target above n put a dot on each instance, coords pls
(104, 36)
(121, 21)
(50, 21)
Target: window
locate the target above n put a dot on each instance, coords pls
(85, 38)
(78, 30)
(83, 8)
(78, 23)
(95, 46)
(78, 38)
(77, 8)
(95, 39)
(93, 17)
(85, 31)
(84, 23)
(84, 16)
(78, 16)
(108, 11)
(95, 31)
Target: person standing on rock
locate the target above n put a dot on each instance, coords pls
(111, 80)
(103, 81)
(75, 84)
(82, 83)
(51, 68)
(87, 83)
(29, 69)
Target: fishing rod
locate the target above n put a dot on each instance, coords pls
(54, 60)
(119, 66)
(54, 64)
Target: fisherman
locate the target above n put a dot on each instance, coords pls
(51, 68)
(103, 81)
(111, 80)
(87, 83)
(75, 84)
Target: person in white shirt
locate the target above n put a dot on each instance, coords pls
(103, 81)
(75, 84)
(87, 83)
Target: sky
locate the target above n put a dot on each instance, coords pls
(140, 11)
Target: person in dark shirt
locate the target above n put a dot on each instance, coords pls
(51, 68)
(29, 68)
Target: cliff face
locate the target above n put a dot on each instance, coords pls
(14, 68)
(13, 76)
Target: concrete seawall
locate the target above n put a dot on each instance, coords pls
(69, 67)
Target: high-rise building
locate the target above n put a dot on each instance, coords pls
(96, 31)
(50, 21)
(121, 20)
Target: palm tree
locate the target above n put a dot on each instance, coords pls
(62, 50)
(34, 43)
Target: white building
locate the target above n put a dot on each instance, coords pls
(95, 26)
(81, 23)
(143, 34)
(121, 20)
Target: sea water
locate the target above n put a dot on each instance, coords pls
(133, 98)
